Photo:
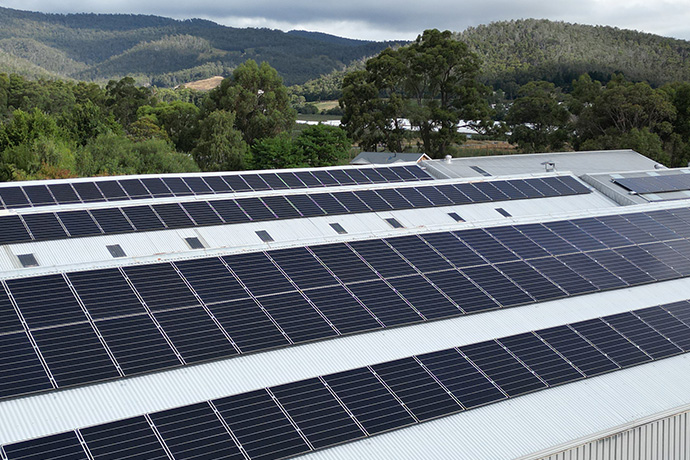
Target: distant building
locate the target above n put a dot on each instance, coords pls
(523, 306)
(387, 158)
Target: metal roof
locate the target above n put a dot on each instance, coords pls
(387, 158)
(576, 162)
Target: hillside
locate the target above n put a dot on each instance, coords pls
(161, 51)
(516, 52)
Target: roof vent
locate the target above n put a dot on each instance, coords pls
(338, 228)
(549, 166)
(116, 250)
(194, 243)
(448, 158)
(264, 235)
(394, 223)
(27, 260)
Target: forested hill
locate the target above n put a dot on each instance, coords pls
(161, 51)
(515, 52)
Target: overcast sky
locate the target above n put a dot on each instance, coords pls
(390, 19)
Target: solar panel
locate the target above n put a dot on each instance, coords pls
(508, 189)
(650, 341)
(655, 184)
(548, 240)
(380, 256)
(45, 301)
(418, 253)
(9, 321)
(453, 194)
(462, 379)
(342, 177)
(12, 230)
(111, 220)
(620, 267)
(597, 229)
(256, 182)
(350, 201)
(195, 431)
(291, 180)
(531, 281)
(577, 350)
(395, 199)
(651, 226)
(558, 185)
(344, 263)
(610, 342)
(211, 280)
(308, 179)
(343, 310)
(325, 178)
(418, 390)
(44, 226)
(457, 252)
(64, 446)
(63, 193)
(39, 195)
(486, 246)
(305, 205)
(504, 291)
(173, 215)
(303, 268)
(538, 356)
(358, 176)
(525, 187)
(297, 317)
(281, 207)
(317, 413)
(435, 196)
(131, 438)
(590, 270)
(416, 199)
(667, 325)
(105, 293)
(237, 183)
(156, 187)
(625, 228)
(160, 286)
(424, 297)
(543, 188)
(370, 402)
(143, 218)
(488, 189)
(202, 213)
(512, 238)
(258, 274)
(197, 185)
(74, 354)
(416, 171)
(20, 369)
(177, 186)
(648, 263)
(563, 276)
(217, 184)
(466, 294)
(88, 192)
(111, 190)
(134, 188)
(328, 203)
(574, 235)
(388, 306)
(256, 209)
(373, 175)
(229, 211)
(260, 426)
(79, 223)
(13, 197)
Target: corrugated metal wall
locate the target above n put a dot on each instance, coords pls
(665, 439)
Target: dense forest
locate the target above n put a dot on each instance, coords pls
(159, 51)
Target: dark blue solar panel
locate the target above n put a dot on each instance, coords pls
(78, 223)
(453, 249)
(195, 432)
(461, 378)
(256, 209)
(543, 187)
(373, 175)
(305, 205)
(350, 201)
(74, 354)
(574, 235)
(328, 203)
(248, 325)
(486, 246)
(39, 195)
(173, 215)
(13, 197)
(424, 297)
(211, 280)
(344, 263)
(341, 176)
(577, 350)
(325, 178)
(642, 335)
(488, 189)
(435, 196)
(202, 213)
(648, 263)
(547, 239)
(274, 181)
(177, 186)
(548, 365)
(382, 258)
(308, 179)
(160, 286)
(9, 321)
(502, 368)
(453, 194)
(508, 189)
(592, 271)
(258, 273)
(558, 185)
(20, 369)
(281, 207)
(472, 192)
(156, 187)
(672, 222)
(650, 226)
(620, 267)
(64, 193)
(45, 301)
(88, 192)
(134, 188)
(229, 211)
(342, 309)
(574, 184)
(131, 439)
(531, 281)
(297, 317)
(563, 276)
(111, 220)
(198, 185)
(602, 232)
(237, 183)
(680, 310)
(291, 180)
(358, 176)
(194, 334)
(394, 198)
(611, 342)
(416, 171)
(44, 226)
(512, 238)
(463, 292)
(106, 293)
(384, 303)
(303, 268)
(143, 218)
(217, 184)
(415, 198)
(370, 402)
(317, 413)
(667, 325)
(260, 426)
(12, 230)
(137, 344)
(626, 229)
(256, 182)
(389, 174)
(497, 285)
(422, 395)
(112, 190)
(419, 254)
(63, 446)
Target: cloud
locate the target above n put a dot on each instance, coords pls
(392, 19)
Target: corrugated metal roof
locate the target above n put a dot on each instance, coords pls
(576, 162)
(63, 410)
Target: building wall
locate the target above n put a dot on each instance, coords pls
(664, 439)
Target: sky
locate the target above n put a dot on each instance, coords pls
(390, 19)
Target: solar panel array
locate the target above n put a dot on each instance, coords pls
(656, 184)
(172, 186)
(316, 413)
(81, 327)
(78, 223)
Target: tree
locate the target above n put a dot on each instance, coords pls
(124, 98)
(432, 82)
(322, 145)
(276, 153)
(179, 119)
(257, 96)
(220, 146)
(538, 119)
